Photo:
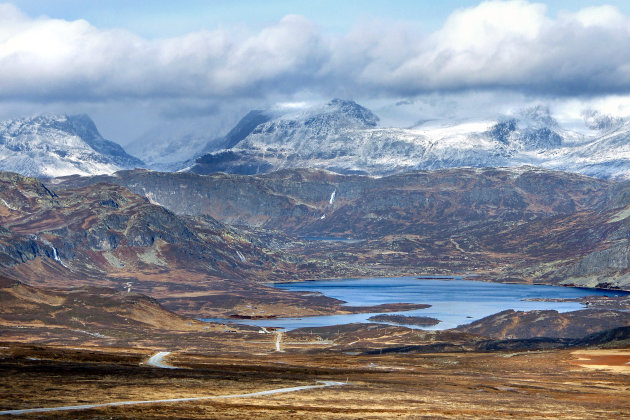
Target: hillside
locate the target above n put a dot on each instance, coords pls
(514, 224)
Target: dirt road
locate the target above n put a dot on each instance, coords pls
(323, 384)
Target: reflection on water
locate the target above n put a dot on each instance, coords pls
(454, 301)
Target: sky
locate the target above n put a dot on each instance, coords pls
(148, 71)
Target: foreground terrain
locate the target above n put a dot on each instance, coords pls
(102, 279)
(99, 346)
(541, 384)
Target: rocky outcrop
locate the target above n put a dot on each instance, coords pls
(515, 224)
(302, 202)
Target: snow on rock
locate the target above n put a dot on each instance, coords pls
(49, 146)
(343, 137)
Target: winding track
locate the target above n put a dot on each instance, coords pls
(157, 360)
(324, 384)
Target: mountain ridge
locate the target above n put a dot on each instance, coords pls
(344, 137)
(510, 224)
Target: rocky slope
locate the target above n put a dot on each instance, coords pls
(312, 202)
(105, 235)
(344, 137)
(47, 146)
(101, 230)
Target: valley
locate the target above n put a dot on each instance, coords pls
(98, 273)
(315, 210)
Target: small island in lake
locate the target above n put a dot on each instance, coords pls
(421, 321)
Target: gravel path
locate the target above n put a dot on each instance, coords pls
(323, 384)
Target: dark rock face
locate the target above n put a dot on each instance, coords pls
(542, 138)
(244, 127)
(238, 162)
(102, 238)
(422, 321)
(616, 335)
(502, 130)
(19, 249)
(83, 126)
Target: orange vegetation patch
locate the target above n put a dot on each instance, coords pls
(617, 361)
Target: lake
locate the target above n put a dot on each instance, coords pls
(454, 300)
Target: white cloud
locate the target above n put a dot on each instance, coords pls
(48, 58)
(508, 45)
(515, 45)
(497, 49)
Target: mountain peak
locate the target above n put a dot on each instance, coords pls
(340, 136)
(353, 111)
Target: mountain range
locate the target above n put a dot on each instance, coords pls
(513, 224)
(344, 137)
(341, 136)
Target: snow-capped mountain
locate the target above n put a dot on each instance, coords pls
(343, 136)
(49, 146)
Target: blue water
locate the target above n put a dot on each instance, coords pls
(454, 301)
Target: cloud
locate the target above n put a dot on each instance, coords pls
(515, 45)
(496, 45)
